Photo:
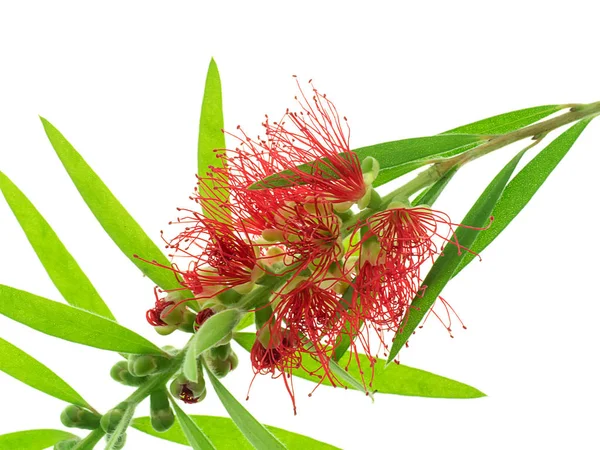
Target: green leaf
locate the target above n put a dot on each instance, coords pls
(225, 436)
(33, 439)
(251, 428)
(62, 268)
(114, 218)
(246, 321)
(208, 335)
(211, 138)
(431, 194)
(20, 365)
(115, 437)
(523, 187)
(507, 122)
(442, 270)
(396, 379)
(395, 158)
(193, 433)
(70, 323)
(347, 378)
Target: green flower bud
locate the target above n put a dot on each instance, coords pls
(161, 414)
(120, 372)
(187, 325)
(370, 169)
(143, 365)
(111, 419)
(74, 416)
(189, 391)
(221, 352)
(68, 444)
(221, 367)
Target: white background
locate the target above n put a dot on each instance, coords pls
(123, 81)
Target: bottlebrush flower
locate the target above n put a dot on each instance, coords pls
(310, 151)
(278, 357)
(220, 257)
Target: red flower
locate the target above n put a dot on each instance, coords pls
(279, 357)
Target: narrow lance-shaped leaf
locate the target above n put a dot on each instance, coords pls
(33, 439)
(225, 435)
(251, 428)
(194, 435)
(20, 365)
(114, 218)
(507, 122)
(445, 265)
(210, 140)
(523, 187)
(397, 379)
(62, 268)
(208, 335)
(70, 323)
(395, 158)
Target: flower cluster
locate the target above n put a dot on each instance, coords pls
(281, 211)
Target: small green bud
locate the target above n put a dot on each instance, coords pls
(161, 414)
(221, 367)
(370, 169)
(143, 365)
(111, 419)
(120, 372)
(74, 416)
(187, 325)
(221, 352)
(68, 444)
(165, 330)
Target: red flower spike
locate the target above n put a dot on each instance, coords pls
(221, 257)
(408, 235)
(278, 359)
(313, 314)
(316, 138)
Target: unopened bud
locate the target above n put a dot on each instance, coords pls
(111, 419)
(74, 416)
(67, 444)
(221, 367)
(229, 298)
(120, 372)
(143, 365)
(161, 414)
(370, 169)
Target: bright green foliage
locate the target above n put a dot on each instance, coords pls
(193, 433)
(211, 140)
(62, 268)
(523, 187)
(224, 434)
(113, 217)
(70, 323)
(18, 364)
(507, 122)
(251, 428)
(33, 439)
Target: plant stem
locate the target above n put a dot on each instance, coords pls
(441, 167)
(90, 441)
